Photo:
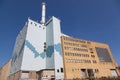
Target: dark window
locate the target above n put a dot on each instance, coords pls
(44, 50)
(57, 70)
(44, 43)
(44, 46)
(93, 56)
(103, 54)
(90, 73)
(61, 69)
(25, 71)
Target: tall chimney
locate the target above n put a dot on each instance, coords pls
(43, 13)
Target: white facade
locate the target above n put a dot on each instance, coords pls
(29, 48)
(34, 55)
(54, 51)
(38, 47)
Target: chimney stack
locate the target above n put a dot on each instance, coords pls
(43, 13)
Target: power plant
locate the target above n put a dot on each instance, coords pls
(43, 52)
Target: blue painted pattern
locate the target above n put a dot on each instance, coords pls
(58, 48)
(49, 51)
(35, 52)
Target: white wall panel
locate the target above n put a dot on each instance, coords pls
(53, 39)
(34, 55)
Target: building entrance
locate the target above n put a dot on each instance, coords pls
(90, 73)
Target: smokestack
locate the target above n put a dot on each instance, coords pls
(43, 13)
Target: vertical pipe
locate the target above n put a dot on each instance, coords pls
(43, 13)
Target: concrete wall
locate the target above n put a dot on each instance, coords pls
(5, 70)
(34, 50)
(18, 75)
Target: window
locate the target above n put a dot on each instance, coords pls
(57, 70)
(44, 50)
(44, 43)
(84, 46)
(92, 56)
(44, 46)
(94, 61)
(25, 74)
(95, 70)
(103, 54)
(89, 42)
(61, 69)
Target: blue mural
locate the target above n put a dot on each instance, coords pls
(49, 50)
(35, 52)
(58, 48)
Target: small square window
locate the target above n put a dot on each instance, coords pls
(57, 70)
(44, 50)
(61, 69)
(44, 43)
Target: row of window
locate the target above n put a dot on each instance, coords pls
(77, 61)
(75, 40)
(75, 69)
(76, 49)
(83, 69)
(80, 61)
(60, 70)
(45, 47)
(46, 76)
(76, 54)
(36, 24)
(74, 44)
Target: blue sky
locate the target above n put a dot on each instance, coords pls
(94, 20)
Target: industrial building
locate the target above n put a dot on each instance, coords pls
(42, 52)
